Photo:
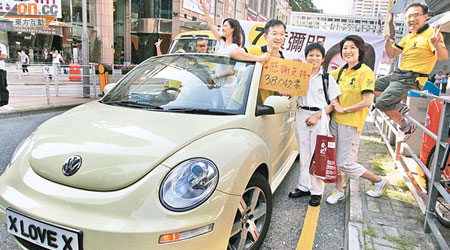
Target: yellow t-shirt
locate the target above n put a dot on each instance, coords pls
(353, 82)
(418, 52)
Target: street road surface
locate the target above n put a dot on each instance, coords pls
(287, 217)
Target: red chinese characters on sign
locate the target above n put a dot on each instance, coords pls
(296, 41)
(286, 76)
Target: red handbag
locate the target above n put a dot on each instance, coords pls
(323, 162)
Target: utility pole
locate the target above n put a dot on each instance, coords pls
(85, 46)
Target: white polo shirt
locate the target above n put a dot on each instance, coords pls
(315, 96)
(2, 51)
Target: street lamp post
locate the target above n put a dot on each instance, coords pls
(85, 47)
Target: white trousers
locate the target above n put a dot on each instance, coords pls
(306, 139)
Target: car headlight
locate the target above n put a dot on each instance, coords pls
(189, 184)
(20, 148)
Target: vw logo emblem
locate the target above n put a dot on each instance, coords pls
(71, 165)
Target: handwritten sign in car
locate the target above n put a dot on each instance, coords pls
(283, 75)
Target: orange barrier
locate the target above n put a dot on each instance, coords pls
(74, 73)
(103, 76)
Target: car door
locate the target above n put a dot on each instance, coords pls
(278, 132)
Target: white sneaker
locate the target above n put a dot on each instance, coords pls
(6, 108)
(378, 188)
(335, 197)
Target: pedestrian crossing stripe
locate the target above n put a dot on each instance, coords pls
(308, 234)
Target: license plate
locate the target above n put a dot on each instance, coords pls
(41, 233)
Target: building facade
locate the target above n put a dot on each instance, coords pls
(187, 14)
(128, 29)
(370, 8)
(341, 22)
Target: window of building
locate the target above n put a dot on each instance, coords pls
(253, 4)
(263, 8)
(77, 12)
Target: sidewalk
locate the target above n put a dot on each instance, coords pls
(27, 105)
(24, 103)
(392, 221)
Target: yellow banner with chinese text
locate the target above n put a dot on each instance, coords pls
(286, 76)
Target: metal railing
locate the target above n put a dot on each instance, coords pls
(41, 80)
(435, 188)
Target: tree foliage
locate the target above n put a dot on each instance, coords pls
(304, 6)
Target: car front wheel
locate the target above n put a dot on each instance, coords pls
(252, 218)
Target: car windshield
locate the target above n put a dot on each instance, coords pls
(189, 45)
(194, 83)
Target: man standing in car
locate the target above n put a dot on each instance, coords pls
(274, 33)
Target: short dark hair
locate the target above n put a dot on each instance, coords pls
(200, 39)
(359, 42)
(422, 5)
(272, 23)
(315, 46)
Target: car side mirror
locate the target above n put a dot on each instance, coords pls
(273, 105)
(108, 87)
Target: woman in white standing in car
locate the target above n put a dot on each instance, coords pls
(230, 38)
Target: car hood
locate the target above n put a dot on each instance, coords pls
(118, 145)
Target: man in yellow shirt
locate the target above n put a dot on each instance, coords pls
(274, 33)
(420, 48)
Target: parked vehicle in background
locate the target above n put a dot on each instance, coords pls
(187, 41)
(427, 154)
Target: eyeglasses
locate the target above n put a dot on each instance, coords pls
(414, 15)
(201, 45)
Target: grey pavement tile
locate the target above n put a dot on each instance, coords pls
(397, 207)
(373, 206)
(384, 242)
(385, 208)
(389, 218)
(383, 200)
(392, 231)
(402, 213)
(381, 247)
(400, 203)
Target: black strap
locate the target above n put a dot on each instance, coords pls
(325, 84)
(339, 75)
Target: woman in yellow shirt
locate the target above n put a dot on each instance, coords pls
(356, 82)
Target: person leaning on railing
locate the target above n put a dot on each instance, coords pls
(420, 49)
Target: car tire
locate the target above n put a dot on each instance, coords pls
(253, 215)
(442, 209)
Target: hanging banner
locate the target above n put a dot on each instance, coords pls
(297, 38)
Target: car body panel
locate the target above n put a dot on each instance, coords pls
(144, 138)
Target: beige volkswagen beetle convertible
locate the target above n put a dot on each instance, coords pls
(179, 154)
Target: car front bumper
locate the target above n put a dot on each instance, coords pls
(130, 218)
